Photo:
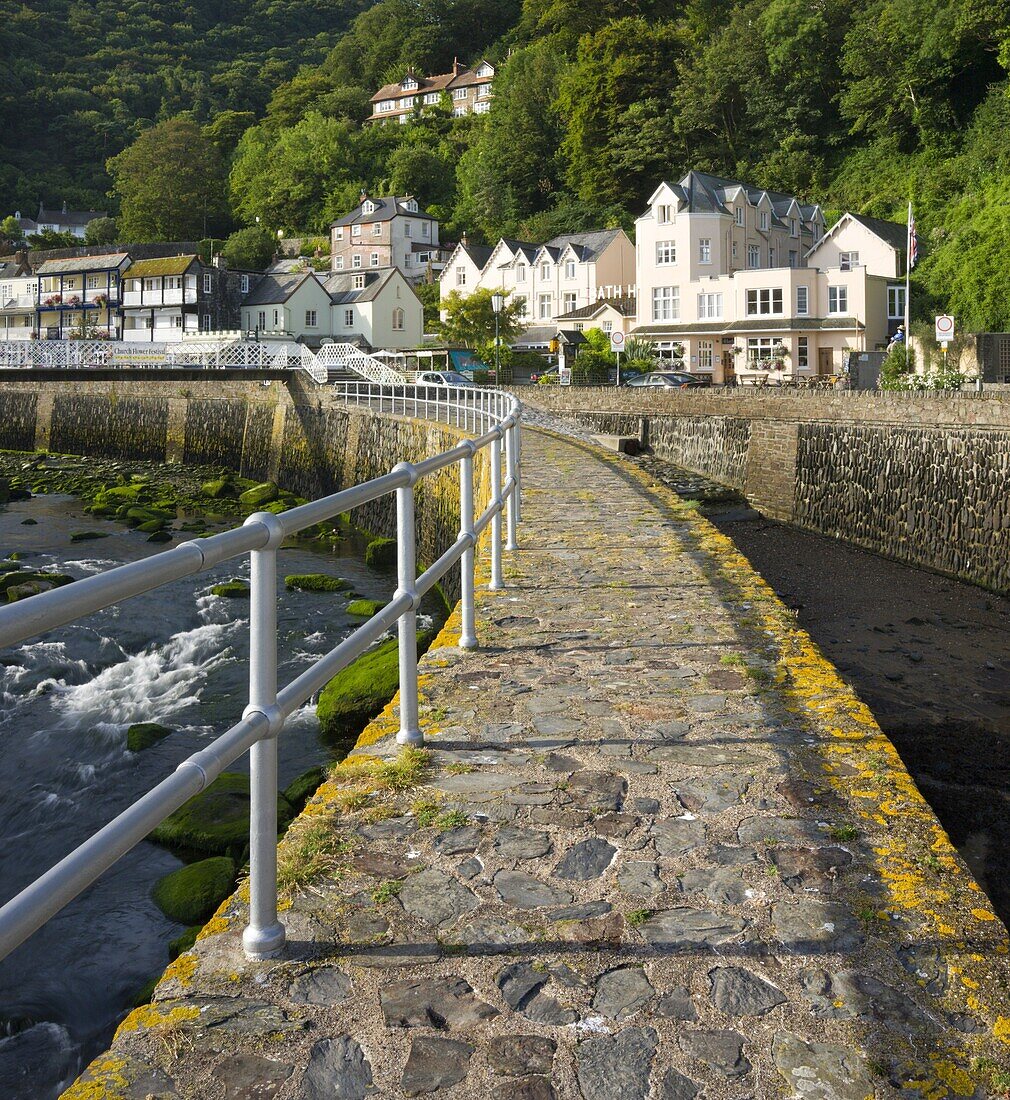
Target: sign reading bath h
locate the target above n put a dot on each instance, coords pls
(617, 341)
(944, 329)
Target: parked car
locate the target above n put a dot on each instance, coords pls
(442, 378)
(668, 379)
(548, 372)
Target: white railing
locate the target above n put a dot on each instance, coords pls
(349, 358)
(496, 416)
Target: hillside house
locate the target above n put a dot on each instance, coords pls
(59, 221)
(468, 90)
(387, 231)
(80, 295)
(17, 299)
(375, 309)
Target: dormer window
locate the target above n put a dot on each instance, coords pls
(411, 205)
(367, 206)
(409, 84)
(738, 213)
(664, 214)
(764, 219)
(485, 70)
(358, 282)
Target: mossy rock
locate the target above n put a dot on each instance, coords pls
(146, 992)
(29, 522)
(191, 894)
(216, 821)
(28, 588)
(183, 942)
(120, 493)
(220, 487)
(15, 555)
(160, 536)
(259, 494)
(357, 694)
(12, 576)
(142, 735)
(365, 609)
(87, 536)
(315, 582)
(381, 554)
(234, 590)
(19, 494)
(300, 790)
(151, 525)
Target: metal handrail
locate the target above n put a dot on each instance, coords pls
(493, 413)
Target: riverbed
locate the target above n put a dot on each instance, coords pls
(177, 656)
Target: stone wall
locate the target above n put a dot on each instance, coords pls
(265, 426)
(919, 478)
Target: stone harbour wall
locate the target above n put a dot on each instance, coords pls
(914, 477)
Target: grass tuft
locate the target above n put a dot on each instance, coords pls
(312, 852)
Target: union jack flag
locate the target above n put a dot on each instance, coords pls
(913, 240)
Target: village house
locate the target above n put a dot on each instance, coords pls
(606, 314)
(468, 91)
(295, 306)
(80, 296)
(387, 231)
(59, 221)
(740, 282)
(375, 309)
(17, 299)
(172, 297)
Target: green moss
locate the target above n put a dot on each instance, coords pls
(315, 582)
(381, 554)
(300, 790)
(232, 589)
(216, 822)
(87, 536)
(142, 735)
(160, 536)
(357, 694)
(221, 487)
(151, 525)
(365, 609)
(260, 494)
(191, 894)
(183, 942)
(146, 992)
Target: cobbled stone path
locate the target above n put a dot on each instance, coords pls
(684, 863)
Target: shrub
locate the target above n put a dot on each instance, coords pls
(249, 249)
(592, 367)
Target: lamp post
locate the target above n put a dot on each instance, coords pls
(497, 304)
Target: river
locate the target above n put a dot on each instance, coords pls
(176, 656)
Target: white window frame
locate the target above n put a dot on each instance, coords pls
(802, 353)
(710, 306)
(802, 301)
(764, 220)
(848, 260)
(666, 253)
(348, 318)
(244, 283)
(520, 273)
(569, 269)
(706, 353)
(665, 303)
(545, 271)
(753, 257)
(544, 306)
(664, 214)
(339, 263)
(760, 347)
(373, 259)
(764, 302)
(895, 302)
(208, 282)
(461, 276)
(839, 295)
(607, 327)
(399, 319)
(358, 282)
(704, 250)
(569, 301)
(356, 229)
(311, 318)
(356, 260)
(460, 93)
(738, 215)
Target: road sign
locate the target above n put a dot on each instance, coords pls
(617, 340)
(944, 329)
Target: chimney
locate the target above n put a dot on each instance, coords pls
(21, 258)
(456, 67)
(64, 206)
(218, 261)
(363, 196)
(462, 238)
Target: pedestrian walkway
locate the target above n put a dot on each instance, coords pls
(657, 849)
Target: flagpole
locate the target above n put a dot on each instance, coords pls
(908, 286)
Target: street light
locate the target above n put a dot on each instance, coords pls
(497, 304)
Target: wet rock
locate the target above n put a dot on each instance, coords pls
(436, 898)
(639, 878)
(526, 892)
(441, 1003)
(589, 859)
(677, 1087)
(623, 992)
(676, 1005)
(683, 927)
(337, 1070)
(515, 843)
(252, 1077)
(740, 992)
(521, 1055)
(677, 836)
(808, 926)
(616, 1066)
(720, 1050)
(712, 795)
(434, 1064)
(324, 986)
(818, 1071)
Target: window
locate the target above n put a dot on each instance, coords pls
(838, 299)
(340, 263)
(409, 84)
(544, 307)
(92, 282)
(607, 327)
(709, 307)
(460, 276)
(705, 349)
(261, 319)
(398, 316)
(355, 230)
(761, 303)
(373, 260)
(802, 353)
(848, 260)
(358, 282)
(794, 229)
(148, 322)
(738, 215)
(760, 347)
(407, 229)
(459, 112)
(425, 229)
(704, 250)
(152, 284)
(734, 250)
(665, 303)
(173, 282)
(666, 252)
(771, 257)
(310, 318)
(545, 271)
(802, 301)
(407, 102)
(356, 260)
(753, 256)
(338, 233)
(569, 302)
(277, 317)
(244, 283)
(481, 108)
(763, 219)
(177, 320)
(377, 229)
(431, 97)
(459, 93)
(792, 257)
(664, 215)
(206, 322)
(569, 269)
(348, 318)
(895, 302)
(520, 273)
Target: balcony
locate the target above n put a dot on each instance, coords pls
(53, 301)
(154, 298)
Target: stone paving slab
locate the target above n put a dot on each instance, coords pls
(658, 850)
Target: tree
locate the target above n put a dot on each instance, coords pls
(470, 320)
(11, 231)
(249, 249)
(101, 231)
(170, 183)
(49, 239)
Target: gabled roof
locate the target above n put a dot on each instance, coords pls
(11, 269)
(169, 265)
(341, 289)
(386, 208)
(459, 77)
(68, 217)
(625, 307)
(275, 288)
(704, 193)
(74, 264)
(891, 233)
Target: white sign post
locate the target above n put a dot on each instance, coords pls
(944, 330)
(617, 341)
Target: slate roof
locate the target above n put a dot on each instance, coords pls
(626, 307)
(67, 217)
(387, 208)
(82, 263)
(274, 288)
(478, 253)
(586, 246)
(341, 289)
(704, 193)
(168, 265)
(894, 233)
(12, 270)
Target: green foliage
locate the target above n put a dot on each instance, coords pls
(191, 894)
(249, 249)
(898, 365)
(101, 231)
(315, 582)
(470, 320)
(10, 230)
(170, 183)
(301, 789)
(142, 735)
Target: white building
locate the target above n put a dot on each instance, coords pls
(167, 298)
(743, 282)
(59, 221)
(387, 231)
(18, 295)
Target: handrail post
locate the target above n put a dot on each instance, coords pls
(519, 463)
(406, 575)
(496, 583)
(264, 936)
(468, 632)
(513, 497)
